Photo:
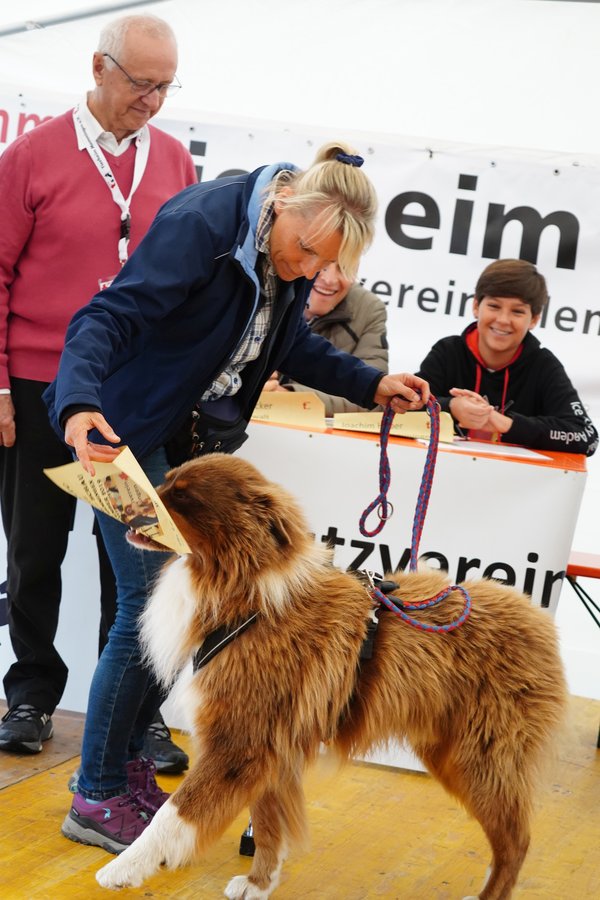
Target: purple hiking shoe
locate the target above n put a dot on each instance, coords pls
(141, 778)
(110, 824)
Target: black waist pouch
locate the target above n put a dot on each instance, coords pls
(202, 434)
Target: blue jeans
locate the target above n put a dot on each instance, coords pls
(124, 696)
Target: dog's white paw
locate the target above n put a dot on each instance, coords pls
(240, 888)
(118, 874)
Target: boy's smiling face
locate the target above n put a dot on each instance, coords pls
(502, 325)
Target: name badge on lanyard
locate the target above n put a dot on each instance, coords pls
(142, 145)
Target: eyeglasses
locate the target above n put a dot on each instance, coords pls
(144, 88)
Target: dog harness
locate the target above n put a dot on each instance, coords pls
(218, 639)
(372, 580)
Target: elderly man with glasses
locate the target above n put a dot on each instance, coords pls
(143, 87)
(78, 194)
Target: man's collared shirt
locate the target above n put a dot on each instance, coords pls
(105, 139)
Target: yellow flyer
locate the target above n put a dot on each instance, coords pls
(409, 424)
(301, 408)
(121, 489)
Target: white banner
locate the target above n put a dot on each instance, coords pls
(445, 213)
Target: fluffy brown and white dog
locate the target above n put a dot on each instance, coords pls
(479, 705)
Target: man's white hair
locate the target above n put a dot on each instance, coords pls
(112, 35)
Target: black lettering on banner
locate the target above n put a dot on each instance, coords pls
(449, 296)
(533, 225)
(331, 538)
(509, 577)
(404, 289)
(396, 219)
(463, 213)
(386, 559)
(498, 217)
(566, 315)
(549, 581)
(466, 567)
(589, 315)
(530, 574)
(428, 299)
(198, 148)
(557, 317)
(438, 557)
(428, 295)
(366, 548)
(381, 289)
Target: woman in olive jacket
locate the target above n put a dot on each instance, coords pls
(353, 319)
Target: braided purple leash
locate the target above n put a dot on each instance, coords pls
(380, 502)
(433, 408)
(433, 601)
(385, 510)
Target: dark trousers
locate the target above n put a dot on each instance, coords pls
(37, 518)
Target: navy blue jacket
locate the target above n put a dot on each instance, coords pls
(145, 349)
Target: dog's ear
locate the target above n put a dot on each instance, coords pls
(279, 533)
(276, 519)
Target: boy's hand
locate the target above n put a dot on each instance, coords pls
(471, 410)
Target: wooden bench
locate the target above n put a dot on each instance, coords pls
(585, 565)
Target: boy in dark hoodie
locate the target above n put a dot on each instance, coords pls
(497, 381)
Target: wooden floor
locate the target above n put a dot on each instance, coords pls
(376, 833)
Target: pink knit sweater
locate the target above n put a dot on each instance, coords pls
(59, 229)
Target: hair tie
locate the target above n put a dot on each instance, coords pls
(350, 160)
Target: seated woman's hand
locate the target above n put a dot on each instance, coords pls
(273, 383)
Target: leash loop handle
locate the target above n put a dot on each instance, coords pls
(382, 505)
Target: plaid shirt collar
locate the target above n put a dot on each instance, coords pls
(266, 273)
(265, 224)
(229, 381)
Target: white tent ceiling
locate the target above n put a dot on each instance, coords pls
(517, 73)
